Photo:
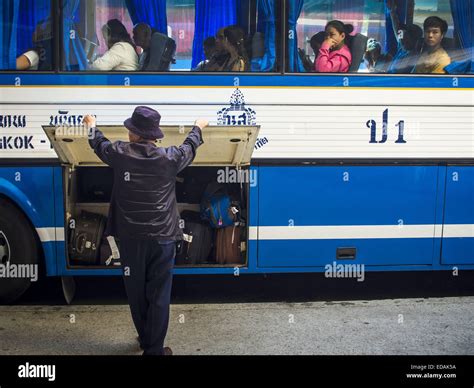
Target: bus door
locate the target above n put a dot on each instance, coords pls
(225, 147)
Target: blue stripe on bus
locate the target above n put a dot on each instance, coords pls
(313, 253)
(194, 79)
(357, 195)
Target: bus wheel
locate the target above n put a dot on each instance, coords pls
(18, 253)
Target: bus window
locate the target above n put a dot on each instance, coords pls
(26, 35)
(235, 36)
(446, 47)
(360, 19)
(97, 36)
(172, 35)
(392, 36)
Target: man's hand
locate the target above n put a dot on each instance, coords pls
(89, 121)
(201, 123)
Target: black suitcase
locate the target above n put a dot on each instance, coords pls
(197, 245)
(85, 239)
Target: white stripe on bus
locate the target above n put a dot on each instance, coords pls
(328, 232)
(360, 232)
(50, 234)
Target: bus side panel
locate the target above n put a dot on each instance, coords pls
(30, 189)
(387, 213)
(59, 221)
(253, 221)
(458, 228)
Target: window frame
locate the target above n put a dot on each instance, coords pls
(281, 55)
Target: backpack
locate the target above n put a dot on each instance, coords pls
(218, 208)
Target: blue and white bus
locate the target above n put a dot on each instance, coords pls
(366, 168)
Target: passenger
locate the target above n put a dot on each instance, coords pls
(142, 38)
(434, 58)
(209, 51)
(39, 57)
(376, 62)
(157, 49)
(315, 43)
(408, 36)
(334, 55)
(121, 54)
(230, 51)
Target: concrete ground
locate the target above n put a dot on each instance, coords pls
(416, 326)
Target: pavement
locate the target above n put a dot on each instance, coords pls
(408, 326)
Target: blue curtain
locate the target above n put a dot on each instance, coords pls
(74, 54)
(391, 44)
(463, 16)
(8, 38)
(266, 24)
(295, 65)
(211, 16)
(152, 12)
(31, 13)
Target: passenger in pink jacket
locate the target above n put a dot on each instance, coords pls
(334, 55)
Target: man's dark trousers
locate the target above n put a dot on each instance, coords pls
(148, 273)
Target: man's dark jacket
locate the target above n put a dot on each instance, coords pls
(143, 204)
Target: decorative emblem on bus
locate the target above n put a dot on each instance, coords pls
(238, 113)
(372, 125)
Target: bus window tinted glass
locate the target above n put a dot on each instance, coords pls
(447, 46)
(391, 36)
(315, 46)
(170, 35)
(26, 35)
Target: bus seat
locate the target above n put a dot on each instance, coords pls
(358, 46)
(162, 52)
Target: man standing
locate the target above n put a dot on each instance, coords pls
(144, 216)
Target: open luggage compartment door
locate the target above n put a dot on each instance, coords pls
(223, 145)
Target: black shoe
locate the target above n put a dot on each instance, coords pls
(166, 352)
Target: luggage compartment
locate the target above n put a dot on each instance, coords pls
(224, 156)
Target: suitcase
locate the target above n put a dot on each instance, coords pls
(228, 245)
(197, 244)
(85, 239)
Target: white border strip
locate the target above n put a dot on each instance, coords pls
(359, 232)
(458, 231)
(50, 234)
(328, 232)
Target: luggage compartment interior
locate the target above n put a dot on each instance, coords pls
(89, 189)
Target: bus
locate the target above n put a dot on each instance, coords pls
(370, 167)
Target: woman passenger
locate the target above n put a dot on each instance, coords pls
(121, 54)
(334, 55)
(230, 52)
